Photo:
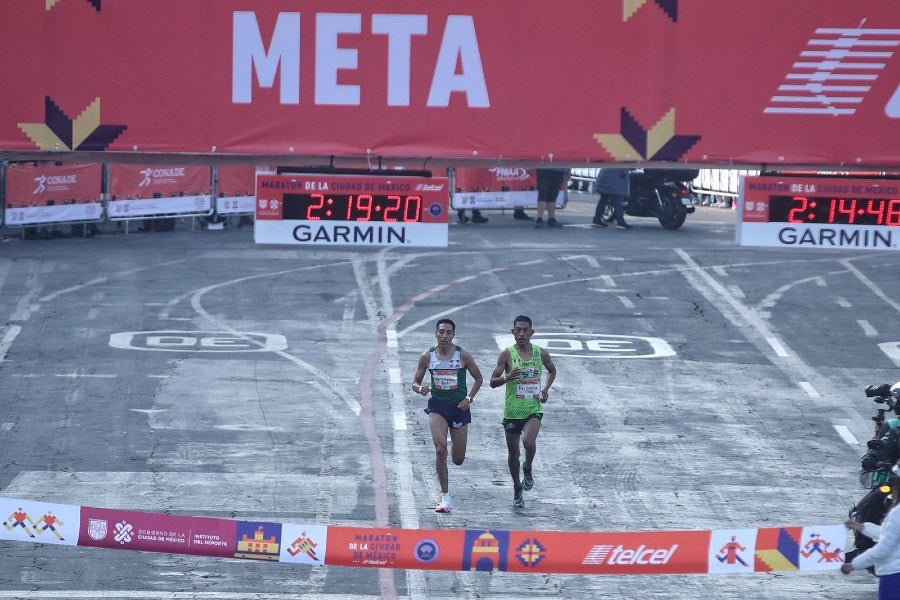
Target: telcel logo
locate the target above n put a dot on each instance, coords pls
(198, 341)
(619, 555)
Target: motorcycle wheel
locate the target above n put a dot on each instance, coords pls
(672, 214)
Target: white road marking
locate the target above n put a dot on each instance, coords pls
(809, 389)
(744, 316)
(869, 284)
(626, 302)
(777, 346)
(75, 288)
(351, 401)
(892, 350)
(87, 375)
(867, 328)
(591, 261)
(736, 291)
(402, 463)
(8, 339)
(349, 310)
(843, 303)
(846, 435)
(24, 307)
(609, 281)
(720, 271)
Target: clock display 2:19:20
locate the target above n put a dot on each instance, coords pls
(353, 207)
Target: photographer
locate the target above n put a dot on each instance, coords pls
(884, 556)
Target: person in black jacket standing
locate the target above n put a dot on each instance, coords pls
(613, 187)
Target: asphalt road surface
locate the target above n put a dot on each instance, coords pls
(727, 392)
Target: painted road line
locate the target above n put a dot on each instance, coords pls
(8, 339)
(809, 389)
(736, 291)
(871, 285)
(846, 435)
(867, 328)
(892, 350)
(591, 261)
(777, 346)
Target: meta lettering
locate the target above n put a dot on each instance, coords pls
(458, 67)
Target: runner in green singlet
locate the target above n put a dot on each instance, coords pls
(520, 368)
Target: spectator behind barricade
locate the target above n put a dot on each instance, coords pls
(518, 211)
(549, 181)
(613, 185)
(476, 214)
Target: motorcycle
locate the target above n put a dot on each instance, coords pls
(661, 193)
(882, 454)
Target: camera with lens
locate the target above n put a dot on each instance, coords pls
(883, 452)
(874, 391)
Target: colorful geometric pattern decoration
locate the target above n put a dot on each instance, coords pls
(636, 143)
(670, 7)
(60, 133)
(778, 549)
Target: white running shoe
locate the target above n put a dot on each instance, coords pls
(445, 505)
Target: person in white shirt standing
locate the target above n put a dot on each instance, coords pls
(885, 554)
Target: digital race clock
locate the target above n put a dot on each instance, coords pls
(371, 210)
(325, 206)
(820, 212)
(835, 210)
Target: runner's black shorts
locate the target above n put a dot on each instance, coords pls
(517, 425)
(454, 416)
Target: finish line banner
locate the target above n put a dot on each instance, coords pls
(801, 548)
(799, 82)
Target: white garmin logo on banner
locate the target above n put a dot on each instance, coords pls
(198, 341)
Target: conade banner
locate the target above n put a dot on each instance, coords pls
(715, 82)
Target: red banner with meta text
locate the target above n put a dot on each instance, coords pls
(706, 81)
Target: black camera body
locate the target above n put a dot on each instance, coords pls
(883, 452)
